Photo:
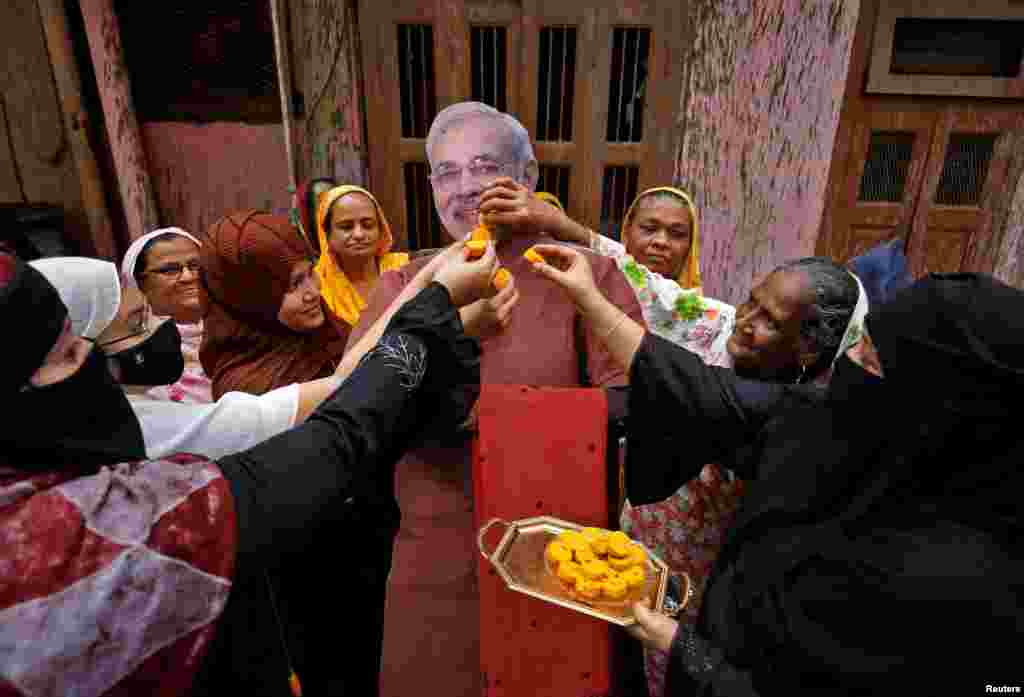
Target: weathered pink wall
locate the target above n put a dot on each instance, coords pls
(122, 128)
(762, 91)
(202, 172)
(325, 56)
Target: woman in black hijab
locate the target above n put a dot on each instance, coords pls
(164, 576)
(877, 546)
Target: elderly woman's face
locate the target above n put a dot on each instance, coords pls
(658, 235)
(171, 279)
(766, 340)
(354, 232)
(466, 160)
(301, 309)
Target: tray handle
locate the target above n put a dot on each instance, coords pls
(483, 532)
(671, 607)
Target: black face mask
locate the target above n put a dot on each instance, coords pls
(80, 422)
(155, 361)
(850, 382)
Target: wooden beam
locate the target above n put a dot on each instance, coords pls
(69, 88)
(103, 32)
(279, 17)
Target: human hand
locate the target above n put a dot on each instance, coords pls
(570, 269)
(466, 280)
(508, 205)
(491, 315)
(654, 629)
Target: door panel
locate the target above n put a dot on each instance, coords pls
(966, 167)
(882, 177)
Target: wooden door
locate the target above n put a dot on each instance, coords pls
(965, 170)
(596, 86)
(881, 180)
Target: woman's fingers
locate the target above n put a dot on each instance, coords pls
(659, 630)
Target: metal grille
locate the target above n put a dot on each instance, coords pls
(979, 47)
(424, 227)
(965, 170)
(617, 192)
(885, 170)
(630, 49)
(223, 65)
(416, 78)
(555, 180)
(488, 59)
(556, 82)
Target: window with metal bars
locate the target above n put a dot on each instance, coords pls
(630, 49)
(886, 167)
(618, 190)
(416, 78)
(554, 179)
(488, 56)
(222, 67)
(980, 47)
(424, 227)
(556, 83)
(965, 169)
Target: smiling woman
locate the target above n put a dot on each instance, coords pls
(267, 325)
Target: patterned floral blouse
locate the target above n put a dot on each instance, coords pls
(687, 529)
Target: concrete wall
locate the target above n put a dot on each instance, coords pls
(762, 92)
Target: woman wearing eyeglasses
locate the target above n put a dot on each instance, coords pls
(160, 280)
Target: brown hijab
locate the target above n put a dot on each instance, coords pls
(247, 262)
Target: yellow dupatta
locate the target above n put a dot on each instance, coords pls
(337, 290)
(550, 198)
(689, 276)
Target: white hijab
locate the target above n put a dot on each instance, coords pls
(90, 289)
(131, 257)
(855, 327)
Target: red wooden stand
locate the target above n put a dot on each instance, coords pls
(540, 451)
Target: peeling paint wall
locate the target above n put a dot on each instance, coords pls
(203, 172)
(762, 91)
(325, 51)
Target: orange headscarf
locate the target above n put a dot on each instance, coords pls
(689, 275)
(247, 263)
(341, 296)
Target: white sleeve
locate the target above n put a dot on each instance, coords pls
(233, 423)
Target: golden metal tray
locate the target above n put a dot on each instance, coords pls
(519, 558)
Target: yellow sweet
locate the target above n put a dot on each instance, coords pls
(620, 563)
(570, 573)
(501, 279)
(573, 540)
(598, 540)
(534, 257)
(584, 555)
(595, 569)
(614, 587)
(634, 576)
(619, 544)
(481, 233)
(558, 552)
(476, 248)
(589, 589)
(638, 555)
